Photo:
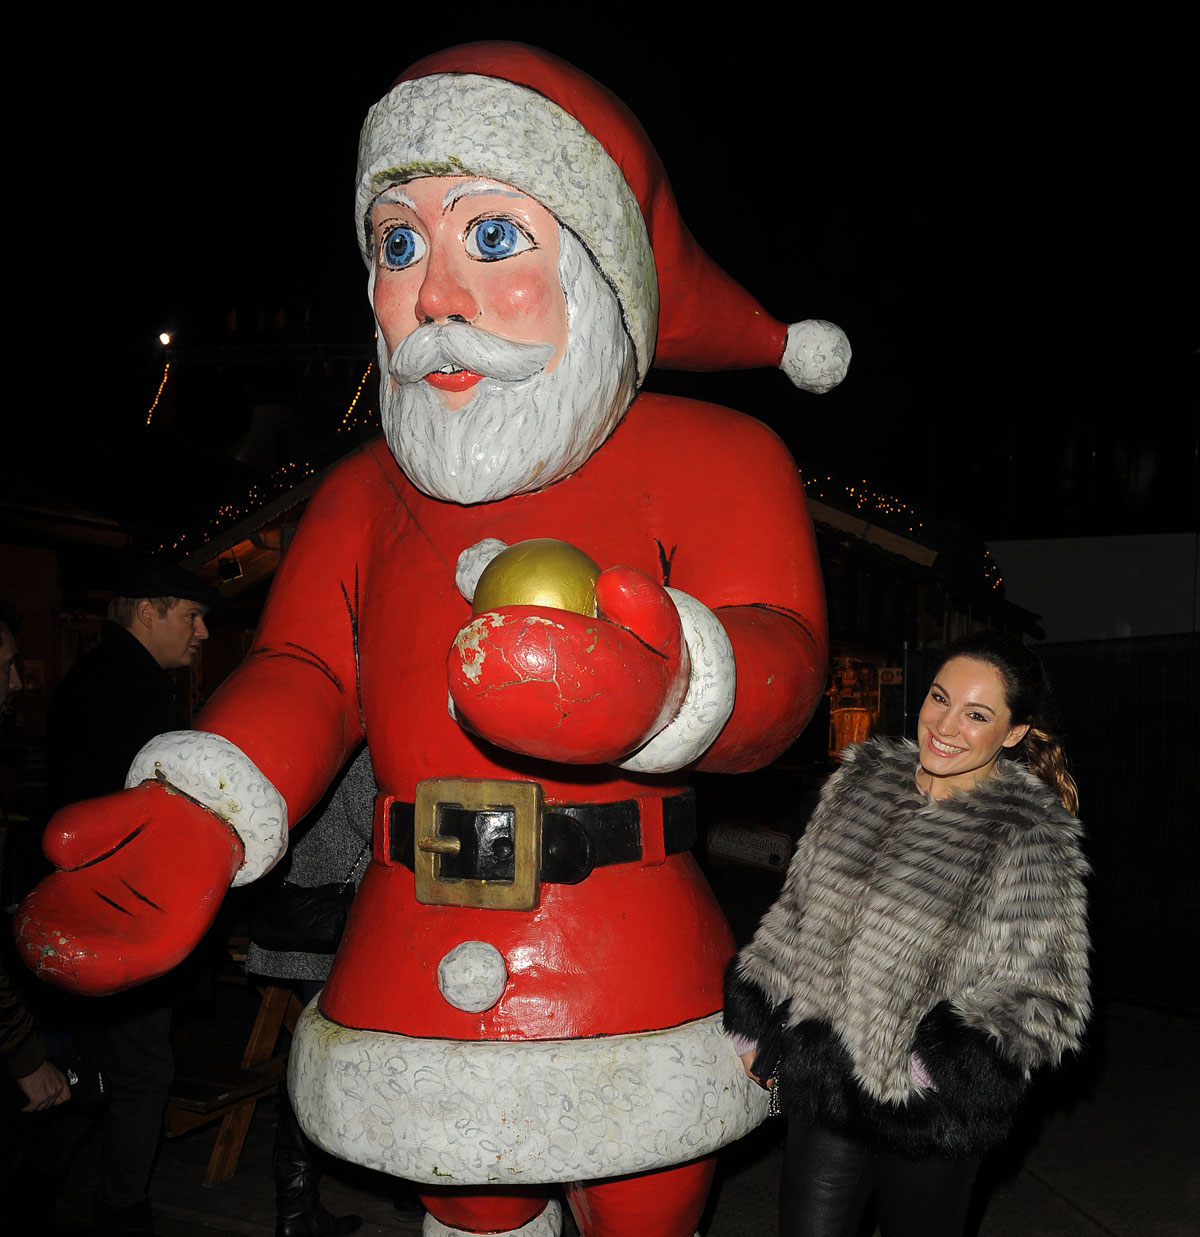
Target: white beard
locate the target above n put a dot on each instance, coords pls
(513, 437)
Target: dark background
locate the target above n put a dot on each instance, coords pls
(998, 207)
(1001, 217)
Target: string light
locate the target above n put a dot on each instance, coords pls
(158, 393)
(362, 382)
(886, 507)
(863, 498)
(285, 477)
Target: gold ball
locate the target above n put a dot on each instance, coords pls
(542, 571)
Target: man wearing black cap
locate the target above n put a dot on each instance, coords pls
(107, 707)
(121, 695)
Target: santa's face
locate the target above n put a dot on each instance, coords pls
(454, 249)
(506, 361)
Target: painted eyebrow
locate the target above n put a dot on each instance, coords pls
(395, 196)
(477, 188)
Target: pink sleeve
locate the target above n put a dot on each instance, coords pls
(920, 1075)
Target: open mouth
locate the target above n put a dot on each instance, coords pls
(944, 749)
(448, 378)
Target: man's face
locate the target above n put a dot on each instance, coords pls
(10, 678)
(173, 639)
(506, 357)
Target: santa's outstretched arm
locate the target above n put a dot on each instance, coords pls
(294, 708)
(142, 872)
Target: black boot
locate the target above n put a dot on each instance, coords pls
(133, 1220)
(405, 1203)
(298, 1210)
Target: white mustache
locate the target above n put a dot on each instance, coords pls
(463, 346)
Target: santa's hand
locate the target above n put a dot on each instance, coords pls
(567, 687)
(142, 874)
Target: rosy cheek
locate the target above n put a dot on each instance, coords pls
(394, 306)
(525, 288)
(518, 296)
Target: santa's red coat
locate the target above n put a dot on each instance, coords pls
(353, 642)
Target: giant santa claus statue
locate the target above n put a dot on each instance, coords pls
(529, 988)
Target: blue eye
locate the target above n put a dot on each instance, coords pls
(401, 247)
(489, 240)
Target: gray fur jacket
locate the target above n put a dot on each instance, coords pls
(950, 929)
(333, 843)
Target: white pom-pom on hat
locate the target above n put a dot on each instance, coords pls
(816, 355)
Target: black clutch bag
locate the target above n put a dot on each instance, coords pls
(766, 1061)
(770, 1046)
(306, 919)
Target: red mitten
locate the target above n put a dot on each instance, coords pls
(143, 874)
(566, 687)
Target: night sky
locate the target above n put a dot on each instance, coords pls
(1001, 221)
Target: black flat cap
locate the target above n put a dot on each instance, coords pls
(138, 576)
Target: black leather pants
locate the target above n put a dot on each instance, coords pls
(828, 1181)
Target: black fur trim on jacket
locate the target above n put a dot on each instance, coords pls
(977, 1089)
(747, 1010)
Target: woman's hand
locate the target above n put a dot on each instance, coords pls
(748, 1061)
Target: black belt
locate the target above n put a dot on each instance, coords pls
(478, 842)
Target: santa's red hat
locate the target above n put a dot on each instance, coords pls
(528, 119)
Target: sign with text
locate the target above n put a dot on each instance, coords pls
(745, 842)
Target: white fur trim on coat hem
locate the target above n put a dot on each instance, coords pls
(222, 778)
(505, 1112)
(709, 701)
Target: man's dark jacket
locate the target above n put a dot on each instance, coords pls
(108, 707)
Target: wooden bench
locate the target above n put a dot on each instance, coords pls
(205, 1093)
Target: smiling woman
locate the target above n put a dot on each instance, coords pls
(927, 953)
(964, 725)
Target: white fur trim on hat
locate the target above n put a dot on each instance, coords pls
(816, 355)
(222, 778)
(450, 124)
(709, 701)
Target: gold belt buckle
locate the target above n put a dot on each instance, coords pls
(523, 799)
